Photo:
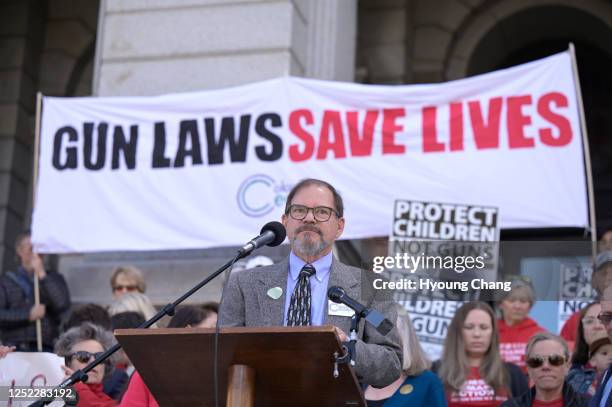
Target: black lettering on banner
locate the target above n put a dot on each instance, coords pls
(159, 146)
(237, 149)
(88, 140)
(121, 146)
(71, 152)
(274, 139)
(188, 130)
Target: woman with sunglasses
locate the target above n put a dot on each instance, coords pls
(472, 369)
(80, 346)
(515, 326)
(127, 279)
(582, 374)
(548, 364)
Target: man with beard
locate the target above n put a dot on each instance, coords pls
(294, 291)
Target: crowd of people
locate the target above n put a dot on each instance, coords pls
(494, 353)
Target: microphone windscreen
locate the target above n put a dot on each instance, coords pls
(279, 232)
(335, 293)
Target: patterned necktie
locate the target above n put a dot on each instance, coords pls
(299, 306)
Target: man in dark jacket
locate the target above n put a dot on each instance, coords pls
(547, 359)
(18, 311)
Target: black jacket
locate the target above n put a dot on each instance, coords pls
(518, 380)
(570, 398)
(15, 305)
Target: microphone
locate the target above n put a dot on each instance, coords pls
(272, 234)
(375, 318)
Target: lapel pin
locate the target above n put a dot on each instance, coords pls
(406, 389)
(275, 293)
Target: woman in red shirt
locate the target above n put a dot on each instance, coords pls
(472, 369)
(80, 346)
(515, 326)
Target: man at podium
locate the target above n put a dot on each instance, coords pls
(294, 291)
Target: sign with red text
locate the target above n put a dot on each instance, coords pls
(29, 370)
(207, 169)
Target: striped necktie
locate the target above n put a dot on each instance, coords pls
(299, 306)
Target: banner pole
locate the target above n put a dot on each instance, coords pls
(34, 183)
(587, 154)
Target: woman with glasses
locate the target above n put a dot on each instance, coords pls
(548, 364)
(471, 367)
(79, 346)
(515, 326)
(127, 279)
(582, 374)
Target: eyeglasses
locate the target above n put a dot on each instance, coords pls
(128, 288)
(320, 213)
(553, 360)
(605, 317)
(82, 356)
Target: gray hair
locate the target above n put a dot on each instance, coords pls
(547, 336)
(517, 284)
(414, 359)
(84, 332)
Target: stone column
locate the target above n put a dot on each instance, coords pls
(22, 27)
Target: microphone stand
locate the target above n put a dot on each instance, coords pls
(80, 375)
(349, 347)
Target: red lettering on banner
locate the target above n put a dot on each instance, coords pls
(516, 122)
(456, 126)
(565, 130)
(486, 134)
(430, 131)
(390, 127)
(331, 124)
(361, 145)
(296, 128)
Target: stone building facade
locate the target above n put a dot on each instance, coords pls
(148, 47)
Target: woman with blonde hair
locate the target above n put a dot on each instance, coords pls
(127, 279)
(472, 369)
(134, 302)
(417, 385)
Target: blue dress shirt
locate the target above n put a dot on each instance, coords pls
(318, 286)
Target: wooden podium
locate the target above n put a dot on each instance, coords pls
(263, 367)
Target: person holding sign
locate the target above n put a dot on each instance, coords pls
(515, 326)
(548, 364)
(18, 311)
(294, 292)
(472, 370)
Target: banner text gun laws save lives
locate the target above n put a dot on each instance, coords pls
(314, 135)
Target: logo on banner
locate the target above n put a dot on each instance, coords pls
(260, 194)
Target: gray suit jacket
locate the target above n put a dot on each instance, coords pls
(246, 303)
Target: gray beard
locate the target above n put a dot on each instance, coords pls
(308, 247)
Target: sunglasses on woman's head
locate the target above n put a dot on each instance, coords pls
(553, 360)
(83, 356)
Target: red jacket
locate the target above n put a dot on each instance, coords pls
(92, 395)
(138, 394)
(513, 339)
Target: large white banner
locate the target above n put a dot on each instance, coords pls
(208, 169)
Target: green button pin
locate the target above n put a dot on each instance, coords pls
(275, 293)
